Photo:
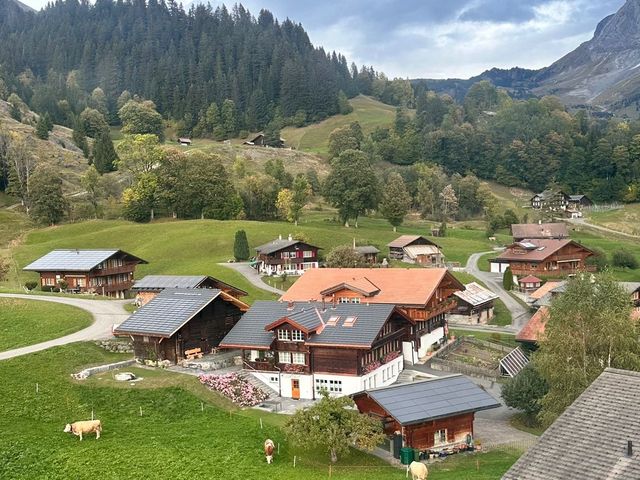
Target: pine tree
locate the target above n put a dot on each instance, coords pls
(42, 132)
(104, 155)
(507, 279)
(241, 246)
(79, 138)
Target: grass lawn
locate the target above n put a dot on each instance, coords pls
(517, 421)
(276, 281)
(26, 322)
(196, 247)
(6, 200)
(185, 431)
(624, 219)
(609, 245)
(12, 224)
(497, 337)
(483, 261)
(369, 112)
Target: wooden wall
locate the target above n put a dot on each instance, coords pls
(334, 360)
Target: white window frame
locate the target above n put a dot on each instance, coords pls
(298, 358)
(438, 435)
(355, 300)
(307, 254)
(344, 300)
(284, 357)
(284, 335)
(297, 336)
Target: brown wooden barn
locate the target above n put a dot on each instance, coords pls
(435, 414)
(149, 287)
(104, 272)
(180, 319)
(416, 249)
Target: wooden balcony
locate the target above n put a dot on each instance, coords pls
(113, 270)
(267, 366)
(114, 287)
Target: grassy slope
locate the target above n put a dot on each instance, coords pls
(174, 438)
(314, 138)
(625, 219)
(197, 246)
(513, 198)
(26, 322)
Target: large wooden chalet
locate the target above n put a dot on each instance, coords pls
(147, 288)
(424, 295)
(302, 348)
(289, 256)
(435, 414)
(543, 257)
(416, 249)
(181, 319)
(522, 231)
(104, 272)
(551, 200)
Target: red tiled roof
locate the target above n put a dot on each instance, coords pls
(529, 279)
(398, 286)
(534, 328)
(544, 289)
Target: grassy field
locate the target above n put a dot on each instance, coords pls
(514, 198)
(197, 247)
(184, 431)
(314, 138)
(625, 219)
(26, 322)
(12, 224)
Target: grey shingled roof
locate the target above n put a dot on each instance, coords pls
(588, 441)
(160, 282)
(366, 250)
(73, 260)
(168, 311)
(278, 244)
(432, 399)
(250, 330)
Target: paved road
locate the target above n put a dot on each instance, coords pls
(252, 275)
(105, 313)
(519, 314)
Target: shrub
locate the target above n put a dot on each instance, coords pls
(241, 246)
(47, 288)
(598, 259)
(624, 259)
(507, 279)
(30, 285)
(524, 393)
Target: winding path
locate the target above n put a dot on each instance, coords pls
(519, 314)
(252, 276)
(105, 313)
(582, 222)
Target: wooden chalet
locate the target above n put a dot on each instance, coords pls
(424, 295)
(475, 304)
(286, 256)
(433, 415)
(522, 231)
(416, 249)
(149, 287)
(181, 319)
(259, 141)
(550, 200)
(103, 272)
(369, 252)
(302, 348)
(579, 201)
(184, 141)
(603, 420)
(543, 257)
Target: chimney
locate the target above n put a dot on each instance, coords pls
(280, 237)
(290, 306)
(290, 237)
(539, 222)
(629, 448)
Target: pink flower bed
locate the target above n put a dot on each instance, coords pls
(371, 367)
(236, 389)
(390, 356)
(293, 367)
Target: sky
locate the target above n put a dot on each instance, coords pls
(440, 38)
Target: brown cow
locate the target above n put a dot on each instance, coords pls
(268, 449)
(83, 428)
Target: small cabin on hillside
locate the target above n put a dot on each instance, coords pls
(369, 252)
(416, 249)
(149, 287)
(475, 304)
(288, 256)
(185, 142)
(259, 141)
(103, 272)
(435, 414)
(181, 319)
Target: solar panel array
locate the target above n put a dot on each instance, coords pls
(168, 312)
(70, 260)
(160, 282)
(432, 399)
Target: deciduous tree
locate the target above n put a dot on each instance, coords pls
(48, 203)
(141, 117)
(345, 256)
(524, 392)
(396, 201)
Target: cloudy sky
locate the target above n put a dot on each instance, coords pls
(441, 38)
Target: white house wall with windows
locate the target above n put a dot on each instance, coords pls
(302, 348)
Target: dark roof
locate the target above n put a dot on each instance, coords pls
(431, 399)
(588, 441)
(75, 260)
(539, 230)
(279, 244)
(169, 311)
(406, 240)
(536, 249)
(250, 330)
(160, 282)
(366, 250)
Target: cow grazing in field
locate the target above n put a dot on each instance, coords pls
(418, 471)
(84, 428)
(268, 449)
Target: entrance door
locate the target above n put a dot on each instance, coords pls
(295, 389)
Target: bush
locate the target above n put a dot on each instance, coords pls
(507, 279)
(30, 285)
(524, 393)
(598, 259)
(624, 259)
(47, 288)
(241, 246)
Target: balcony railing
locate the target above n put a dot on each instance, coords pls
(113, 270)
(113, 287)
(268, 366)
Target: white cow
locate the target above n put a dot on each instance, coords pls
(418, 471)
(83, 428)
(269, 447)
